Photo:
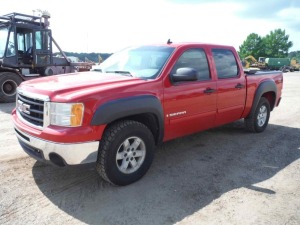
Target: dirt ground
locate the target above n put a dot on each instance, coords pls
(221, 176)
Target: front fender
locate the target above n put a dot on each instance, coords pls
(129, 106)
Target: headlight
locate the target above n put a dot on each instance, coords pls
(66, 114)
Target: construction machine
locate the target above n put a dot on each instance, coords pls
(295, 65)
(251, 62)
(26, 52)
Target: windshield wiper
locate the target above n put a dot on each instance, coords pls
(126, 73)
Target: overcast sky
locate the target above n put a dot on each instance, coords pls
(107, 26)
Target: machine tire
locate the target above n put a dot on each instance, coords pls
(126, 152)
(258, 120)
(8, 86)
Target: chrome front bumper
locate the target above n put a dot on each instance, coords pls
(66, 153)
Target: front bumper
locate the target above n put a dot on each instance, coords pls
(60, 154)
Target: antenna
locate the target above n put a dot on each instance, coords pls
(169, 41)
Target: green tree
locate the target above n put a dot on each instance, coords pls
(294, 55)
(277, 44)
(253, 45)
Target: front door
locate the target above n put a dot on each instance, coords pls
(190, 106)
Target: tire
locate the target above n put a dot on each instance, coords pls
(126, 152)
(259, 119)
(8, 86)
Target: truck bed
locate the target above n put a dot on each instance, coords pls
(253, 82)
(266, 72)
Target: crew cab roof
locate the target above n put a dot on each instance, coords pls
(181, 44)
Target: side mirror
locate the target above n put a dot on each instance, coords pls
(184, 74)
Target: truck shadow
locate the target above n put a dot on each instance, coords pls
(186, 175)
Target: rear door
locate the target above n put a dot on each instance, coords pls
(231, 86)
(190, 106)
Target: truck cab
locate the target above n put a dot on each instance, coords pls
(26, 52)
(25, 46)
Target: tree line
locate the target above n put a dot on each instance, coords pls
(294, 55)
(276, 44)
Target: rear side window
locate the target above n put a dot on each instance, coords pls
(196, 59)
(225, 63)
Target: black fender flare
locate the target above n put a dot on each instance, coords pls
(6, 69)
(264, 87)
(130, 106)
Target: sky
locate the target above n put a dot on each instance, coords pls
(107, 26)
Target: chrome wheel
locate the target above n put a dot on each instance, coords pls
(262, 116)
(126, 152)
(258, 119)
(130, 155)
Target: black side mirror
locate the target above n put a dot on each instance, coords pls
(184, 74)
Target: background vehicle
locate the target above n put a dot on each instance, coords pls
(251, 62)
(295, 65)
(137, 99)
(277, 63)
(263, 63)
(26, 52)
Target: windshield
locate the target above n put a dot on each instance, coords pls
(144, 62)
(3, 39)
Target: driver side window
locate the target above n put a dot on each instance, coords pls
(196, 59)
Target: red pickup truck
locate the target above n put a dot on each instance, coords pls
(138, 98)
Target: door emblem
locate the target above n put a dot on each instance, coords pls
(176, 114)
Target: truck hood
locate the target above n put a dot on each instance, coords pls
(75, 85)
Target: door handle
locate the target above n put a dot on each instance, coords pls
(239, 86)
(209, 91)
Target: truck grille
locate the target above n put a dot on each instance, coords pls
(31, 109)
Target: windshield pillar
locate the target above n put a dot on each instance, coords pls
(11, 47)
(3, 40)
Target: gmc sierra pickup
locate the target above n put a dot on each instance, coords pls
(138, 98)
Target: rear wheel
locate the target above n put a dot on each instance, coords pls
(258, 120)
(8, 86)
(126, 152)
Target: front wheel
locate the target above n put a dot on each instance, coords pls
(126, 152)
(258, 120)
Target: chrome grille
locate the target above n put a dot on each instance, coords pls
(31, 109)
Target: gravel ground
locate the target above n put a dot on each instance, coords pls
(221, 176)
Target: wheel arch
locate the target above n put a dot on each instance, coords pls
(271, 97)
(145, 109)
(265, 89)
(6, 69)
